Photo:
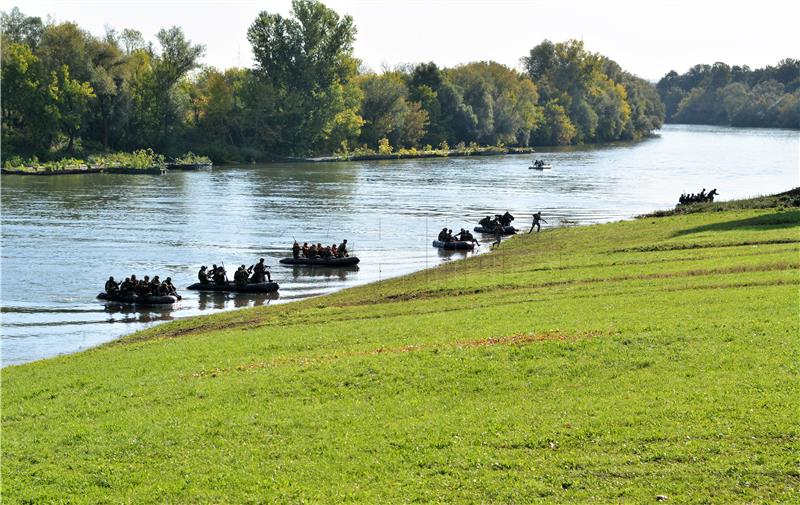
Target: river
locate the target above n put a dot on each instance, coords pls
(63, 236)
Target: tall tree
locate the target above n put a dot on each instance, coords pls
(306, 59)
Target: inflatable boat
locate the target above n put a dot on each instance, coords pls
(132, 299)
(232, 287)
(507, 230)
(347, 261)
(454, 244)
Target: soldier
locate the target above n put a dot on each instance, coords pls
(143, 289)
(125, 286)
(498, 234)
(466, 236)
(443, 235)
(343, 249)
(295, 250)
(312, 252)
(240, 276)
(260, 270)
(111, 286)
(536, 219)
(155, 286)
(169, 288)
(506, 219)
(219, 275)
(202, 275)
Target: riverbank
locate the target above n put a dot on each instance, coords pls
(143, 161)
(612, 362)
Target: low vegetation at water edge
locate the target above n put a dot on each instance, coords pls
(610, 363)
(142, 159)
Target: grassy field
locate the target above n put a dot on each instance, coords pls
(608, 364)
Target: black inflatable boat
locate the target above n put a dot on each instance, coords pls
(255, 287)
(454, 244)
(347, 261)
(132, 299)
(507, 230)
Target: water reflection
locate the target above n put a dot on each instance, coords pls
(300, 272)
(77, 230)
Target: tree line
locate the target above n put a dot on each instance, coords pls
(734, 95)
(67, 92)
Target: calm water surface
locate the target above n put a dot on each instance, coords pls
(63, 236)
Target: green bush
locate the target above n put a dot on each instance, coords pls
(141, 159)
(192, 159)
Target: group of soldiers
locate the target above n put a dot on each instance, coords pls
(702, 196)
(447, 236)
(317, 250)
(141, 287)
(256, 273)
(490, 223)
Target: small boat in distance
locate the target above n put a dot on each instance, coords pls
(540, 165)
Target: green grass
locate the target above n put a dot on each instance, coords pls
(604, 364)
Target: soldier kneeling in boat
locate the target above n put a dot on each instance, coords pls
(260, 271)
(202, 275)
(240, 276)
(341, 252)
(111, 286)
(218, 274)
(126, 287)
(167, 288)
(442, 235)
(295, 250)
(466, 236)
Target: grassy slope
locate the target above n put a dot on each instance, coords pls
(608, 363)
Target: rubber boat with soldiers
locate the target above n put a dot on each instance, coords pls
(540, 165)
(255, 279)
(462, 240)
(143, 292)
(489, 224)
(317, 255)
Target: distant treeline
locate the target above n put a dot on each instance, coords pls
(736, 96)
(68, 92)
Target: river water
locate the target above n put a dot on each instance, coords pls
(63, 236)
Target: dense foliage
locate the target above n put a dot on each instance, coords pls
(736, 96)
(67, 92)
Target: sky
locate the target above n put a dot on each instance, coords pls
(646, 37)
